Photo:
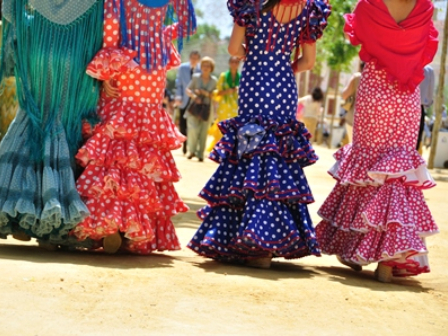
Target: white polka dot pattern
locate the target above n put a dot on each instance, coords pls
(129, 170)
(257, 198)
(377, 211)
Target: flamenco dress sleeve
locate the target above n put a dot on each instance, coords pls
(111, 60)
(317, 14)
(174, 59)
(244, 14)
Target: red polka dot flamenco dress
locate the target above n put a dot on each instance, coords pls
(129, 171)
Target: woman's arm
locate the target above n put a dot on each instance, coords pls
(306, 60)
(349, 89)
(236, 42)
(191, 88)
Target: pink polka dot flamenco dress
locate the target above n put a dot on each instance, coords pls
(129, 171)
(377, 213)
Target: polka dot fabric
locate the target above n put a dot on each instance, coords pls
(257, 198)
(377, 211)
(129, 171)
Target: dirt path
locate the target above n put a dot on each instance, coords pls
(45, 293)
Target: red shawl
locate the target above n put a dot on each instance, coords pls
(403, 49)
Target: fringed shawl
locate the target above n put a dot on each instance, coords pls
(51, 51)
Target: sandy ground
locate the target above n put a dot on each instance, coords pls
(61, 293)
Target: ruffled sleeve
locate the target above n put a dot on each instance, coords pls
(171, 33)
(245, 13)
(317, 14)
(111, 62)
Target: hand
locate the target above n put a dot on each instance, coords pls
(110, 89)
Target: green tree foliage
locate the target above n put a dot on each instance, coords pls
(206, 32)
(334, 48)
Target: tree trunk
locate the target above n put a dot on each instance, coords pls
(439, 99)
(320, 130)
(333, 115)
(306, 82)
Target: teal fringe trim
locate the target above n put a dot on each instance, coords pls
(51, 60)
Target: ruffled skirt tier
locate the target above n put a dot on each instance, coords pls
(38, 196)
(377, 211)
(128, 178)
(257, 198)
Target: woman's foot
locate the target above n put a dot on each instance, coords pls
(264, 262)
(353, 266)
(190, 156)
(383, 273)
(112, 243)
(201, 160)
(22, 236)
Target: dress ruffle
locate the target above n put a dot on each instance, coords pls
(363, 208)
(370, 166)
(377, 211)
(112, 62)
(245, 13)
(129, 175)
(258, 193)
(164, 239)
(418, 75)
(147, 129)
(397, 247)
(272, 170)
(289, 140)
(233, 234)
(38, 197)
(318, 13)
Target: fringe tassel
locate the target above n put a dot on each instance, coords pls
(51, 60)
(151, 43)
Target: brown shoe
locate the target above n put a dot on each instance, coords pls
(353, 266)
(22, 236)
(264, 262)
(112, 243)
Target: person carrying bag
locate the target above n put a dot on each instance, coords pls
(199, 108)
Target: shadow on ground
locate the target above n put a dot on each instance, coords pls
(279, 270)
(366, 279)
(189, 220)
(36, 254)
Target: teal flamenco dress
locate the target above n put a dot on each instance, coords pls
(47, 46)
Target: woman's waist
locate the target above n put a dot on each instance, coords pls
(132, 98)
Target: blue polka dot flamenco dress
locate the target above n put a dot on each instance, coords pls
(257, 198)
